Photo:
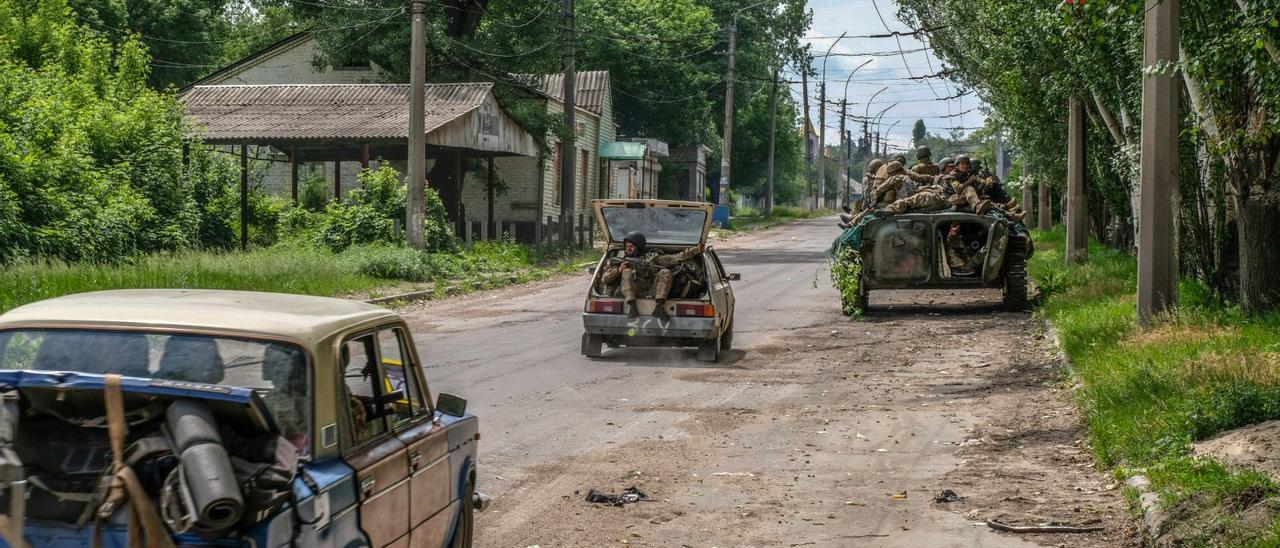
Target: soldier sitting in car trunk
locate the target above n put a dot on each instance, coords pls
(654, 270)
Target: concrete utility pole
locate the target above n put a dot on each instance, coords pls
(1077, 217)
(808, 145)
(1028, 199)
(773, 132)
(727, 148)
(820, 193)
(844, 143)
(415, 204)
(1157, 229)
(568, 150)
(848, 167)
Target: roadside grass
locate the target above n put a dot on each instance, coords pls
(749, 218)
(1148, 394)
(367, 270)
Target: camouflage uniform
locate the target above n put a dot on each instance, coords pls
(900, 182)
(926, 199)
(924, 163)
(638, 281)
(962, 190)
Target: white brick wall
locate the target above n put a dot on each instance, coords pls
(294, 66)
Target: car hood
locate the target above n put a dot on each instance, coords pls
(663, 222)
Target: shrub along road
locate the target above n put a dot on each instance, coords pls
(816, 430)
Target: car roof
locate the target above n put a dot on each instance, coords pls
(278, 315)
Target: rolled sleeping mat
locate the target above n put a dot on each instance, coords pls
(191, 423)
(215, 493)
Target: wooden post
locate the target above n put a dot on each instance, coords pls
(491, 191)
(1077, 217)
(459, 176)
(1044, 213)
(1157, 226)
(364, 156)
(582, 240)
(244, 197)
(466, 229)
(337, 179)
(293, 173)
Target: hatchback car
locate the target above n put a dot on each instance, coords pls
(244, 419)
(700, 304)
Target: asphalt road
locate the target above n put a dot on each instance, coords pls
(814, 430)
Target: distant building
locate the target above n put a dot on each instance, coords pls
(692, 160)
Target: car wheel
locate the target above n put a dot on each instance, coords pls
(466, 529)
(592, 345)
(1015, 275)
(709, 350)
(726, 339)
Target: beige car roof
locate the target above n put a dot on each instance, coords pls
(599, 205)
(304, 318)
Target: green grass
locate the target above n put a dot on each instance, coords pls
(286, 269)
(1148, 393)
(747, 218)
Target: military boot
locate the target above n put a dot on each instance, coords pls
(660, 309)
(633, 311)
(983, 207)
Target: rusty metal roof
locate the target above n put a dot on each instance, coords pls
(323, 111)
(590, 88)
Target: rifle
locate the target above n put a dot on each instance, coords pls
(636, 263)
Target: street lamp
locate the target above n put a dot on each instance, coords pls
(728, 112)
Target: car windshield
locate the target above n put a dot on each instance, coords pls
(277, 371)
(660, 225)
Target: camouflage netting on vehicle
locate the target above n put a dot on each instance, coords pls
(852, 236)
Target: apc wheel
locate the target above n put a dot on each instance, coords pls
(709, 350)
(466, 529)
(592, 345)
(1015, 275)
(726, 339)
(863, 300)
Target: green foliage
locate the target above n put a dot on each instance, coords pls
(846, 277)
(918, 133)
(314, 193)
(92, 157)
(370, 213)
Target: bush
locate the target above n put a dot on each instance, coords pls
(313, 193)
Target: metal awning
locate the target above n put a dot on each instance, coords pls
(623, 151)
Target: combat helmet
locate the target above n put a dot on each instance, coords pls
(637, 239)
(923, 152)
(900, 159)
(943, 163)
(894, 167)
(874, 165)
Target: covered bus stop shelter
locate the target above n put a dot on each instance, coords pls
(356, 123)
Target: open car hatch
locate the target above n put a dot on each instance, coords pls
(663, 222)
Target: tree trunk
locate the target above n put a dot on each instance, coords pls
(1258, 223)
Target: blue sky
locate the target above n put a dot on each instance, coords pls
(916, 99)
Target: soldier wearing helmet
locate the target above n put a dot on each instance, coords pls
(962, 188)
(924, 162)
(634, 282)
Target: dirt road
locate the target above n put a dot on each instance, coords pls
(815, 431)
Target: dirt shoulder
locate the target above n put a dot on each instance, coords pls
(837, 433)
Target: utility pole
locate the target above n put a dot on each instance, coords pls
(879, 145)
(1076, 217)
(414, 217)
(848, 167)
(844, 144)
(821, 194)
(773, 131)
(1157, 241)
(727, 148)
(568, 150)
(865, 151)
(808, 145)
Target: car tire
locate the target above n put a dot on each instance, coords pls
(726, 339)
(709, 350)
(592, 345)
(1015, 275)
(466, 530)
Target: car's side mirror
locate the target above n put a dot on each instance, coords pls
(735, 277)
(451, 405)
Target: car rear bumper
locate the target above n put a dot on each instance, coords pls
(649, 326)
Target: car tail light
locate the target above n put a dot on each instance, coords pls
(600, 306)
(703, 310)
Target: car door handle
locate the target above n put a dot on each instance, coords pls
(415, 460)
(366, 485)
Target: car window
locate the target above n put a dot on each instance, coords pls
(401, 375)
(718, 269)
(364, 389)
(276, 371)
